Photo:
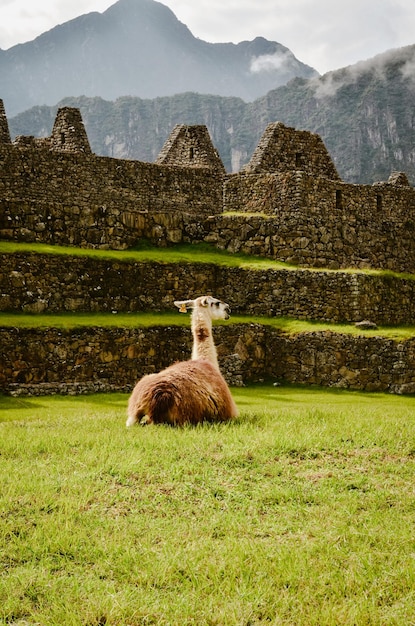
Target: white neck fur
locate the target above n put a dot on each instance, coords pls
(203, 344)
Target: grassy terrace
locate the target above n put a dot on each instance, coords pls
(145, 252)
(147, 320)
(201, 253)
(183, 253)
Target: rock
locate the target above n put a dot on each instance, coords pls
(366, 325)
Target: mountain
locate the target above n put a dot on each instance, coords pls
(138, 48)
(365, 114)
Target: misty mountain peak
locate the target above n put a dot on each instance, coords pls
(138, 48)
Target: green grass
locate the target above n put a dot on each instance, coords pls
(299, 512)
(181, 253)
(132, 320)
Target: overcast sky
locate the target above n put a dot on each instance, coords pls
(326, 34)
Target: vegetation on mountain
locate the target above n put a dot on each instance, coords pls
(141, 71)
(364, 113)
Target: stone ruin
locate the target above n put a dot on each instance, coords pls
(288, 203)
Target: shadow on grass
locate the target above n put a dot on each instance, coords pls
(10, 403)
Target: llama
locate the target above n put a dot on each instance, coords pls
(187, 392)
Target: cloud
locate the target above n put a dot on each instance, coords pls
(269, 62)
(326, 86)
(324, 34)
(408, 69)
(404, 59)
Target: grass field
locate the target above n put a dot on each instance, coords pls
(301, 512)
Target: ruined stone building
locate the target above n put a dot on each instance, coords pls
(287, 203)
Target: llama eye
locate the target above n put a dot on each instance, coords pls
(217, 303)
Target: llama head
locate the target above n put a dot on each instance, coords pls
(214, 308)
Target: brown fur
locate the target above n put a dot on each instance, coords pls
(201, 333)
(188, 392)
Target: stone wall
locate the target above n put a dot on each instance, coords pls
(34, 283)
(108, 359)
(315, 222)
(288, 203)
(315, 241)
(344, 361)
(4, 126)
(85, 200)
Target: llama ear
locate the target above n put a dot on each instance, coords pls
(183, 305)
(204, 301)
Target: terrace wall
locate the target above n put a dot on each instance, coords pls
(34, 283)
(288, 203)
(41, 361)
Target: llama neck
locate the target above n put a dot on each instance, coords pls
(203, 344)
